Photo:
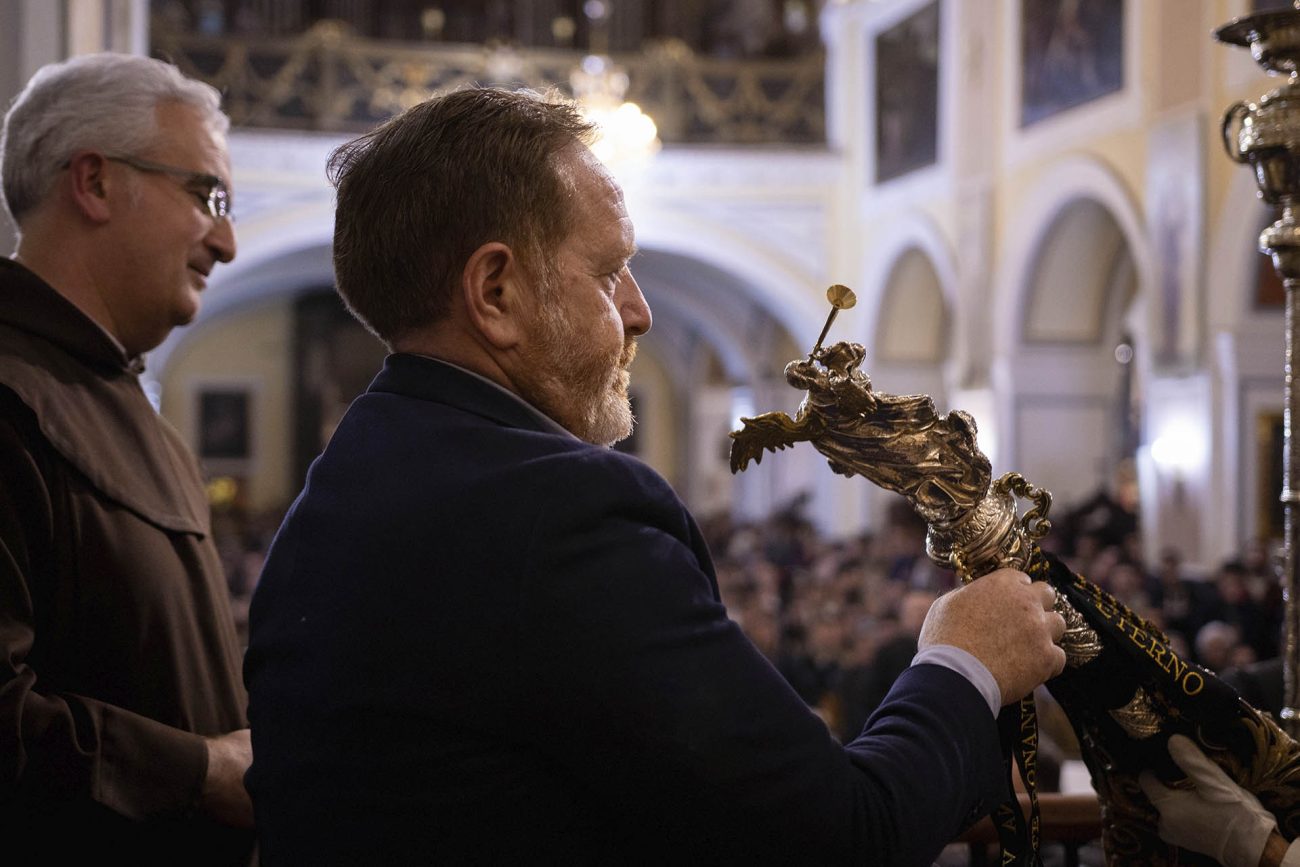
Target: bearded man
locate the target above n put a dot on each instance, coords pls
(482, 636)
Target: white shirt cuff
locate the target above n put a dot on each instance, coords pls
(980, 677)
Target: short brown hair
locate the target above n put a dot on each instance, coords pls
(422, 192)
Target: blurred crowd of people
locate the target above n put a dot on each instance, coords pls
(840, 619)
(243, 536)
(1228, 619)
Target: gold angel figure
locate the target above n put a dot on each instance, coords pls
(898, 442)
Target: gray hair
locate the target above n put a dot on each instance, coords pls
(101, 101)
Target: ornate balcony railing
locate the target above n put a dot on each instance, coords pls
(328, 79)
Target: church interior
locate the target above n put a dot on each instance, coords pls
(1031, 200)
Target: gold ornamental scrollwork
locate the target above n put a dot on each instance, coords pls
(1137, 718)
(1080, 641)
(332, 79)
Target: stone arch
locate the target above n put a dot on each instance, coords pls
(289, 249)
(1067, 183)
(912, 320)
(1081, 271)
(733, 319)
(917, 235)
(284, 252)
(1076, 256)
(909, 282)
(789, 292)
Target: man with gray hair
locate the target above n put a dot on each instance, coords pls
(122, 726)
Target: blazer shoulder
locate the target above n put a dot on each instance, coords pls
(610, 473)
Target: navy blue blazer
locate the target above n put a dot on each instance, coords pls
(480, 641)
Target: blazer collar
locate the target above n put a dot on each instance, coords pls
(432, 379)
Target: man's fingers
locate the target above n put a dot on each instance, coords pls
(1047, 593)
(1189, 757)
(1157, 792)
(1208, 776)
(1056, 625)
(1055, 629)
(1182, 749)
(1057, 656)
(1015, 576)
(1211, 781)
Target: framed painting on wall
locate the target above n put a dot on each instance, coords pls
(907, 94)
(1269, 435)
(1071, 52)
(223, 424)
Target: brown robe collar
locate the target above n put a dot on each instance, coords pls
(85, 394)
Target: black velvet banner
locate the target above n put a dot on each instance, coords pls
(1126, 702)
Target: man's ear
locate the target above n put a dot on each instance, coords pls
(494, 288)
(87, 175)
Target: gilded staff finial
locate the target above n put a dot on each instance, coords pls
(899, 442)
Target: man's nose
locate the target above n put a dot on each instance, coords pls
(221, 240)
(632, 307)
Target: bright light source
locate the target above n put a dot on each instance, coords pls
(625, 133)
(1179, 449)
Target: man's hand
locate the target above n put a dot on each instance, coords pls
(1217, 818)
(224, 797)
(1007, 623)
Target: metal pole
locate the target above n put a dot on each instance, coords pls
(1266, 135)
(1291, 527)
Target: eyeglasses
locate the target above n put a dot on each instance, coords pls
(210, 190)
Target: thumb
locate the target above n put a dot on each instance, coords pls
(1157, 792)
